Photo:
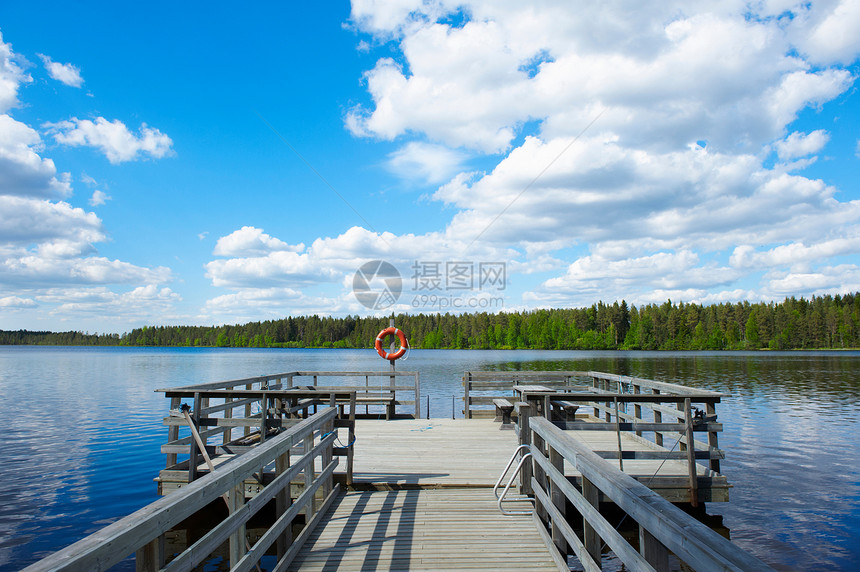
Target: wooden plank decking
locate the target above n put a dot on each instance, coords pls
(431, 452)
(459, 453)
(445, 529)
(424, 499)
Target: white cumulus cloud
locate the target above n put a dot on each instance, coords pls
(98, 198)
(22, 171)
(425, 162)
(16, 302)
(65, 73)
(11, 76)
(112, 138)
(48, 248)
(802, 144)
(249, 241)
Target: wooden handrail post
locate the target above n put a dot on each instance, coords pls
(150, 558)
(539, 448)
(173, 431)
(248, 387)
(467, 381)
(591, 538)
(525, 439)
(228, 414)
(607, 386)
(618, 436)
(637, 408)
(711, 409)
(309, 477)
(418, 396)
(558, 500)
(237, 539)
(192, 451)
(350, 451)
(328, 453)
(691, 454)
(653, 550)
(264, 413)
(283, 500)
(658, 418)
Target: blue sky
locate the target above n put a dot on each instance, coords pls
(208, 164)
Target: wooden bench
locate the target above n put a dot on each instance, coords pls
(504, 408)
(564, 410)
(382, 398)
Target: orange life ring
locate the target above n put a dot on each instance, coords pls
(391, 331)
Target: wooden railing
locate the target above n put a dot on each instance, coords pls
(662, 418)
(480, 388)
(648, 399)
(142, 533)
(259, 406)
(663, 528)
(389, 395)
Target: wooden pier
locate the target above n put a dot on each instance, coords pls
(352, 479)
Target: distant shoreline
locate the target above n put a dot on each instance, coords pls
(821, 323)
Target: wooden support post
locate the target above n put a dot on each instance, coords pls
(653, 551)
(618, 435)
(283, 500)
(228, 414)
(691, 454)
(658, 418)
(150, 557)
(418, 397)
(309, 477)
(350, 451)
(637, 408)
(681, 445)
(193, 449)
(248, 387)
(327, 453)
(467, 381)
(590, 537)
(711, 409)
(173, 431)
(264, 413)
(607, 415)
(525, 439)
(237, 539)
(539, 448)
(559, 501)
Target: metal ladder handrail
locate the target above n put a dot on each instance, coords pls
(502, 498)
(507, 468)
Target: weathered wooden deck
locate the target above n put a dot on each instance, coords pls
(443, 529)
(418, 494)
(461, 453)
(430, 453)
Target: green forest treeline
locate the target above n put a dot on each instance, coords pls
(822, 322)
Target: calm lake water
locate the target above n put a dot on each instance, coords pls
(82, 429)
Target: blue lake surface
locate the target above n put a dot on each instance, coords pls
(81, 432)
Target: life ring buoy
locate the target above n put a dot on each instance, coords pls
(391, 331)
